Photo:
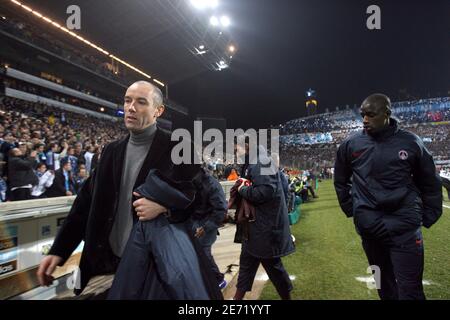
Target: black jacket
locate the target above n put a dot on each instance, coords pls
(387, 182)
(20, 172)
(210, 205)
(58, 187)
(91, 217)
(162, 260)
(269, 235)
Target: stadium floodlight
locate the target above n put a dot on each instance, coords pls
(199, 52)
(102, 109)
(225, 21)
(231, 48)
(221, 65)
(201, 47)
(203, 4)
(214, 21)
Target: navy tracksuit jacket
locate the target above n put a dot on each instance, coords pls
(387, 182)
(390, 178)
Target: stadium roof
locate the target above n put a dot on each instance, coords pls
(159, 37)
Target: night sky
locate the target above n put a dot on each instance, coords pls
(286, 47)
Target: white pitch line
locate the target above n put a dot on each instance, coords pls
(446, 206)
(265, 277)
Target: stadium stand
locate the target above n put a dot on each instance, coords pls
(312, 142)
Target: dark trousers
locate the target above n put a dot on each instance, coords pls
(311, 190)
(21, 194)
(214, 268)
(446, 184)
(248, 266)
(401, 266)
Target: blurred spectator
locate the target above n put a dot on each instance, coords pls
(21, 176)
(80, 178)
(63, 184)
(46, 178)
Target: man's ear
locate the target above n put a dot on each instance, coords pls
(160, 111)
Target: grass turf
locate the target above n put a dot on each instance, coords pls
(329, 256)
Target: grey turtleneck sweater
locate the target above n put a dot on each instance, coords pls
(137, 149)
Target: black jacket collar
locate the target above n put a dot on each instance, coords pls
(385, 133)
(159, 146)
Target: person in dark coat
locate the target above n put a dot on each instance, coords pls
(104, 212)
(269, 236)
(209, 212)
(386, 180)
(21, 176)
(63, 183)
(159, 261)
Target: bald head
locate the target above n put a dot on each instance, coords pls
(15, 152)
(379, 101)
(155, 91)
(375, 111)
(143, 104)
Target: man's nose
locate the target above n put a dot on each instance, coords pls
(132, 108)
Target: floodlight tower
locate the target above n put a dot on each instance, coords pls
(311, 102)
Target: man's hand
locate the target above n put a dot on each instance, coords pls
(33, 154)
(199, 232)
(243, 183)
(46, 268)
(69, 193)
(147, 209)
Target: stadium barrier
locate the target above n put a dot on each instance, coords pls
(27, 231)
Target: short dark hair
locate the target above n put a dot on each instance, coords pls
(381, 101)
(40, 164)
(64, 161)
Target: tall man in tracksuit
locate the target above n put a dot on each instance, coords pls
(385, 179)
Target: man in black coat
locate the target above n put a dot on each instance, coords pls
(386, 180)
(63, 184)
(104, 212)
(269, 237)
(21, 176)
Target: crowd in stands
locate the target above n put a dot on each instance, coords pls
(26, 66)
(50, 94)
(39, 37)
(48, 152)
(410, 112)
(312, 142)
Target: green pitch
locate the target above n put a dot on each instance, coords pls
(329, 262)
